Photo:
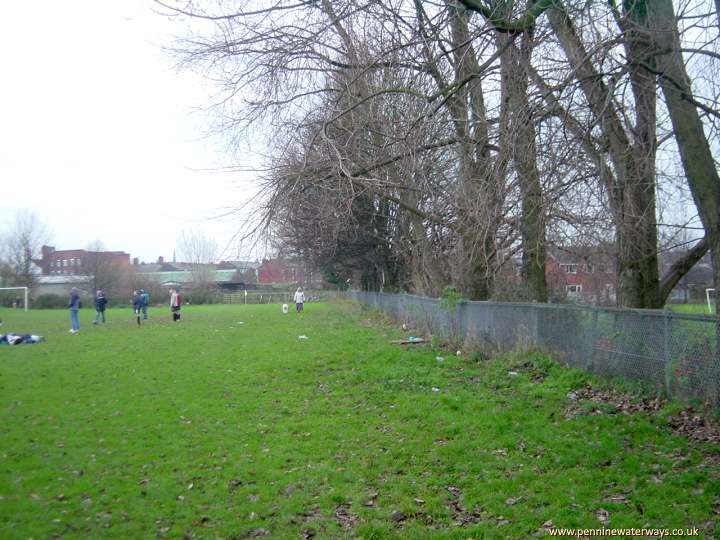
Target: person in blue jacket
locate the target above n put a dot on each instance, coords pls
(137, 305)
(100, 303)
(74, 307)
(146, 302)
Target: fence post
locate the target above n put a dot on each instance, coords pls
(593, 339)
(666, 352)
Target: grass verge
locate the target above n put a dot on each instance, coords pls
(215, 429)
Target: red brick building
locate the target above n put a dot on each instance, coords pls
(583, 274)
(75, 261)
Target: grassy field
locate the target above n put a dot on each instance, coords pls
(694, 309)
(215, 429)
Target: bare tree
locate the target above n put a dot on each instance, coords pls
(196, 248)
(418, 142)
(200, 252)
(21, 247)
(105, 272)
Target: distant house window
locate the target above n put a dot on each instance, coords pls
(573, 289)
(589, 268)
(65, 262)
(569, 268)
(602, 268)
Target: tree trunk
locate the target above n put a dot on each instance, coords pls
(477, 194)
(697, 159)
(521, 131)
(632, 195)
(695, 153)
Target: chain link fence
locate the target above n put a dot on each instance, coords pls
(279, 297)
(674, 352)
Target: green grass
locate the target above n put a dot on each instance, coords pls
(214, 429)
(693, 309)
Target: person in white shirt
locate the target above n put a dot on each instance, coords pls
(299, 299)
(175, 304)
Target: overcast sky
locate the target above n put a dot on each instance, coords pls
(98, 134)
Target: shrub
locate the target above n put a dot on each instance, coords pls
(50, 301)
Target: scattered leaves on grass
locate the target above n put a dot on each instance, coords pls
(344, 517)
(603, 516)
(308, 533)
(617, 498)
(544, 528)
(695, 427)
(255, 533)
(454, 490)
(460, 515)
(309, 516)
(201, 522)
(398, 517)
(234, 484)
(622, 402)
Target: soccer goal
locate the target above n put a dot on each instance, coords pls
(707, 297)
(25, 289)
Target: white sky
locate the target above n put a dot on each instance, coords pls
(97, 132)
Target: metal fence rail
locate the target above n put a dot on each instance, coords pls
(674, 352)
(278, 297)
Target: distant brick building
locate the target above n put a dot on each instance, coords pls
(75, 261)
(582, 274)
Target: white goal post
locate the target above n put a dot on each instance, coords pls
(707, 297)
(25, 302)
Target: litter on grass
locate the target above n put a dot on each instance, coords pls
(302, 337)
(440, 358)
(409, 340)
(435, 389)
(513, 373)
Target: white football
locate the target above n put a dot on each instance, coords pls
(285, 308)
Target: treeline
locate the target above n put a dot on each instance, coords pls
(421, 143)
